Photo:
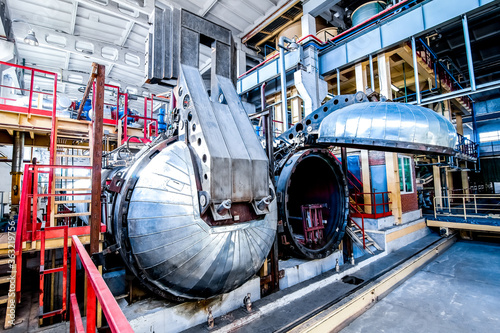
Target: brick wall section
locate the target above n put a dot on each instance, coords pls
(376, 157)
(409, 202)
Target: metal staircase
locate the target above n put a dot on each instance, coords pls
(362, 239)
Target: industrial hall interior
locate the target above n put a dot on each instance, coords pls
(249, 166)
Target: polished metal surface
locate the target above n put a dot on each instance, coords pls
(231, 163)
(166, 243)
(310, 124)
(195, 215)
(389, 127)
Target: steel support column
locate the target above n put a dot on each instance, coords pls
(284, 104)
(16, 169)
(97, 134)
(338, 82)
(372, 79)
(415, 70)
(468, 52)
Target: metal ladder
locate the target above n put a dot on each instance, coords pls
(43, 271)
(367, 244)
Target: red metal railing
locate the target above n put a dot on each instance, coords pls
(353, 212)
(383, 202)
(149, 122)
(8, 104)
(96, 288)
(28, 226)
(115, 104)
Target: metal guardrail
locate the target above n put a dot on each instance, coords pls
(96, 288)
(383, 202)
(355, 212)
(467, 205)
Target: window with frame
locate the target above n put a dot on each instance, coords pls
(405, 174)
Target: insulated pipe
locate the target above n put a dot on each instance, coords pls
(284, 104)
(16, 168)
(468, 51)
(415, 70)
(17, 152)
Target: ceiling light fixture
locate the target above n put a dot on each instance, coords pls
(30, 38)
(393, 87)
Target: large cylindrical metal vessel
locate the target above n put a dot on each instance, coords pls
(168, 243)
(312, 178)
(366, 11)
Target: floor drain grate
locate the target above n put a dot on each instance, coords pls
(352, 280)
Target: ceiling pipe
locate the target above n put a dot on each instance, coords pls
(292, 46)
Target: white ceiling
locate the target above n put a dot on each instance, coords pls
(74, 33)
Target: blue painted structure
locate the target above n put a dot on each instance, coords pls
(379, 184)
(390, 30)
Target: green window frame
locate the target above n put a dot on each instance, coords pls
(405, 174)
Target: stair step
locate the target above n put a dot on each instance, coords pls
(72, 189)
(79, 156)
(4, 299)
(4, 279)
(62, 202)
(72, 177)
(74, 147)
(72, 214)
(4, 261)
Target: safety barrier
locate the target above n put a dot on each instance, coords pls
(354, 212)
(96, 290)
(11, 104)
(467, 206)
(382, 201)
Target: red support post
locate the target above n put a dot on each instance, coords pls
(34, 211)
(65, 270)
(42, 274)
(125, 118)
(91, 305)
(75, 321)
(145, 115)
(31, 92)
(97, 290)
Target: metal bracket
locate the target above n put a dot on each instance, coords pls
(98, 257)
(116, 184)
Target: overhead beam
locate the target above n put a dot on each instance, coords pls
(415, 21)
(316, 7)
(72, 24)
(112, 7)
(207, 7)
(270, 16)
(149, 6)
(71, 43)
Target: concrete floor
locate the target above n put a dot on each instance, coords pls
(276, 311)
(458, 292)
